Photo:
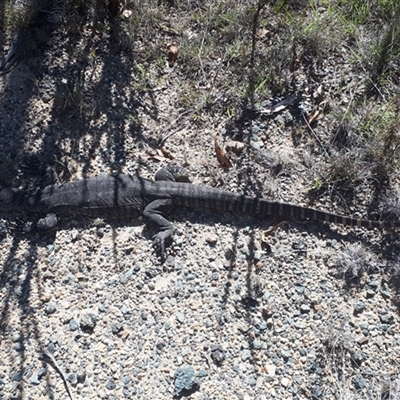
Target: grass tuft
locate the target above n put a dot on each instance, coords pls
(353, 261)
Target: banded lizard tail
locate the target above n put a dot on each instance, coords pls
(123, 195)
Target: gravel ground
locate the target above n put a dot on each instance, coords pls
(232, 313)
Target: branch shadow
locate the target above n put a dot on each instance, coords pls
(62, 81)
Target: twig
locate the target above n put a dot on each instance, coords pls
(163, 140)
(60, 371)
(252, 77)
(315, 135)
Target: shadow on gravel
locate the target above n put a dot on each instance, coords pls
(94, 113)
(18, 275)
(19, 318)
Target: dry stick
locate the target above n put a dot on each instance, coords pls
(260, 6)
(60, 371)
(163, 140)
(315, 135)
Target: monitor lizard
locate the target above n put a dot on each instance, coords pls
(125, 196)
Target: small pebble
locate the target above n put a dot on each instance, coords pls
(51, 308)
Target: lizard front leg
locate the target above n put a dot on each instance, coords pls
(153, 212)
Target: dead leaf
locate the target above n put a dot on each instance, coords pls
(318, 307)
(167, 154)
(172, 54)
(221, 155)
(127, 13)
(262, 33)
(160, 155)
(272, 230)
(314, 116)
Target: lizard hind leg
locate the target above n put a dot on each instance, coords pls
(153, 212)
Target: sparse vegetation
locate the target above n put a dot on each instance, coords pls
(353, 261)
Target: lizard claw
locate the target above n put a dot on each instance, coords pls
(159, 241)
(159, 246)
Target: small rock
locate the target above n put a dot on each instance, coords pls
(180, 317)
(285, 354)
(257, 344)
(100, 232)
(252, 381)
(317, 392)
(243, 327)
(42, 372)
(304, 308)
(298, 380)
(202, 373)
(262, 326)
(34, 380)
(212, 239)
(299, 289)
(383, 327)
(385, 293)
(386, 318)
(285, 382)
(51, 308)
(185, 381)
(235, 146)
(88, 322)
(358, 382)
(72, 378)
(300, 325)
(169, 262)
(116, 327)
(362, 339)
(110, 385)
(18, 376)
(144, 316)
(359, 306)
(270, 369)
(73, 325)
(16, 337)
(81, 375)
(373, 284)
(19, 346)
(190, 277)
(246, 355)
(217, 354)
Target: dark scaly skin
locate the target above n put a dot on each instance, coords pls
(123, 196)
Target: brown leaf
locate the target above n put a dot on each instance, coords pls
(272, 230)
(172, 54)
(221, 155)
(262, 32)
(167, 154)
(160, 155)
(314, 116)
